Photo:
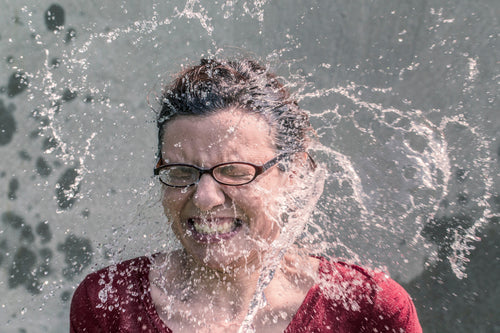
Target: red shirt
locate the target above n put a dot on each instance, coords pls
(347, 299)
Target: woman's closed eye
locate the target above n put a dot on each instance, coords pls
(236, 171)
(179, 172)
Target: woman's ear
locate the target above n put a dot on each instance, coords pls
(300, 160)
(295, 166)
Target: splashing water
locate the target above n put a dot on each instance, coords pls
(402, 99)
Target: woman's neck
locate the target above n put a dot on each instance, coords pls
(233, 287)
(186, 291)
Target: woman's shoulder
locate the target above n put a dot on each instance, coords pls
(359, 277)
(113, 283)
(366, 293)
(106, 298)
(126, 270)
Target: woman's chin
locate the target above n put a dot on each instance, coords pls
(225, 260)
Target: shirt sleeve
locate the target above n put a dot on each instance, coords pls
(83, 315)
(350, 298)
(393, 309)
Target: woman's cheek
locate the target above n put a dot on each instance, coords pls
(259, 205)
(246, 198)
(171, 201)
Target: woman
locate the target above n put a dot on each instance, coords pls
(238, 185)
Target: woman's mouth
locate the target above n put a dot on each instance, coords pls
(213, 230)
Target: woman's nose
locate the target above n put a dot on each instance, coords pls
(208, 193)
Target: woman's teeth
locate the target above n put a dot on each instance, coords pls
(203, 227)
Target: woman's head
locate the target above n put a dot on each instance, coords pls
(213, 114)
(215, 85)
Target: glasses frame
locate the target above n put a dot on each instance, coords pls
(259, 169)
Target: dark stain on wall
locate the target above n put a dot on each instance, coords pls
(49, 144)
(18, 82)
(66, 190)
(70, 35)
(12, 220)
(24, 155)
(54, 17)
(13, 187)
(43, 230)
(27, 235)
(3, 249)
(55, 62)
(78, 255)
(27, 264)
(68, 95)
(21, 268)
(7, 124)
(42, 167)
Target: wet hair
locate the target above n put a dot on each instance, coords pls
(214, 85)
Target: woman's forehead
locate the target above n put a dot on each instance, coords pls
(225, 132)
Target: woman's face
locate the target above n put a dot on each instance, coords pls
(223, 227)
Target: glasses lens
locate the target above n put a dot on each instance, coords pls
(234, 173)
(179, 175)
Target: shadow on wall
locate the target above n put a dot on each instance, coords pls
(30, 263)
(448, 304)
(26, 249)
(27, 244)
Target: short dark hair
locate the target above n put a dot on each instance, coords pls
(245, 84)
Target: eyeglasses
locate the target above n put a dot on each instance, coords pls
(229, 173)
